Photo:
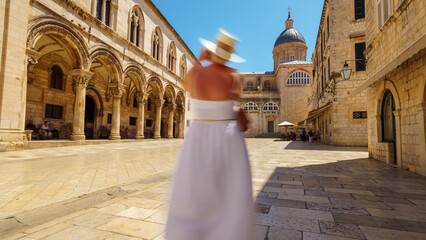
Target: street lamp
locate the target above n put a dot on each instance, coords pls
(346, 71)
(322, 98)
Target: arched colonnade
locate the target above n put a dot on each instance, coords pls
(116, 91)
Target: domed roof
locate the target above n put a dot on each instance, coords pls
(289, 35)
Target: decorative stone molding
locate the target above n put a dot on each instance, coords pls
(32, 59)
(117, 89)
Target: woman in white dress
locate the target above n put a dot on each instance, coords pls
(212, 193)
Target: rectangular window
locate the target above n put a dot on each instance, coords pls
(53, 111)
(132, 121)
(109, 119)
(359, 56)
(359, 9)
(359, 115)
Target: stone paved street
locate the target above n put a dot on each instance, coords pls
(119, 191)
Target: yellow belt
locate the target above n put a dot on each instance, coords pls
(202, 120)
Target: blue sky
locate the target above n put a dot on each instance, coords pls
(257, 23)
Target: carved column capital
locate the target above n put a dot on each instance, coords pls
(81, 77)
(32, 59)
(171, 107)
(159, 102)
(117, 89)
(140, 97)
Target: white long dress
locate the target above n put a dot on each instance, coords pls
(212, 193)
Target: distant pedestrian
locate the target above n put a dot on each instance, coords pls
(303, 135)
(311, 135)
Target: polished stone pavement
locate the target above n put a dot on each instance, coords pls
(119, 191)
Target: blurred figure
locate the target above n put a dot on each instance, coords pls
(212, 193)
(310, 135)
(30, 125)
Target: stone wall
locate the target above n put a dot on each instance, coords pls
(336, 44)
(407, 85)
(397, 63)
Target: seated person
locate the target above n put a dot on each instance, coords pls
(52, 130)
(44, 131)
(30, 125)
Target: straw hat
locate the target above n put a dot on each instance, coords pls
(224, 46)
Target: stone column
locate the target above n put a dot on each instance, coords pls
(117, 90)
(157, 127)
(81, 79)
(181, 121)
(140, 122)
(172, 108)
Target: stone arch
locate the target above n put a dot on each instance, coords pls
(138, 73)
(50, 25)
(91, 91)
(389, 86)
(169, 93)
(110, 57)
(156, 84)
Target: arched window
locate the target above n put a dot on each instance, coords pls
(183, 66)
(103, 11)
(171, 57)
(249, 86)
(156, 42)
(267, 86)
(251, 107)
(56, 77)
(270, 106)
(136, 27)
(298, 78)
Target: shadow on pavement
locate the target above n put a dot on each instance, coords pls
(300, 145)
(347, 199)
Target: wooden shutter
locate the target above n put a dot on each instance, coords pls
(359, 9)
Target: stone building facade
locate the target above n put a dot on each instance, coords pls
(396, 89)
(341, 119)
(270, 98)
(95, 68)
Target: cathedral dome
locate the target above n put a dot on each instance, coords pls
(289, 35)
